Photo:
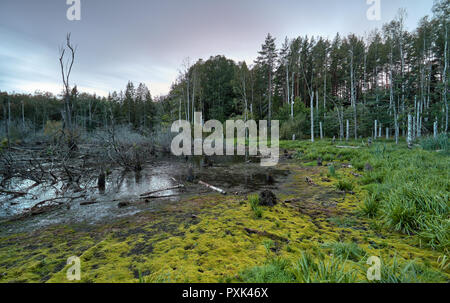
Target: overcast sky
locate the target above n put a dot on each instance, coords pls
(147, 40)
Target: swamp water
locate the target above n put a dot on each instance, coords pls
(233, 174)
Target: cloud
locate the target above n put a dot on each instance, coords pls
(146, 41)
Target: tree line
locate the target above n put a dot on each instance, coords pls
(346, 87)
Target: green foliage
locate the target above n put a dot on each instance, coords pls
(342, 222)
(439, 143)
(350, 251)
(373, 177)
(306, 270)
(268, 245)
(409, 208)
(370, 206)
(408, 272)
(345, 185)
(141, 278)
(4, 143)
(338, 269)
(331, 171)
(52, 128)
(293, 127)
(434, 232)
(276, 270)
(254, 205)
(407, 190)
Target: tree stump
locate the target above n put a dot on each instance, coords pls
(319, 161)
(267, 198)
(190, 175)
(101, 183)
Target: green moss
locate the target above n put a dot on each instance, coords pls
(319, 226)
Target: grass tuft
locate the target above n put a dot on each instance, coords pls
(254, 204)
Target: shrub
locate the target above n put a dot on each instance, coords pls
(292, 127)
(52, 128)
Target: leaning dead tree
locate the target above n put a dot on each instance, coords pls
(66, 69)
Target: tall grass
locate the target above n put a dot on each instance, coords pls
(345, 185)
(276, 270)
(408, 272)
(304, 270)
(337, 269)
(350, 251)
(438, 143)
(254, 205)
(407, 190)
(370, 206)
(331, 171)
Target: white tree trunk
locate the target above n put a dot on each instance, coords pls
(348, 131)
(324, 95)
(435, 129)
(23, 115)
(312, 115)
(409, 139)
(321, 131)
(353, 97)
(444, 78)
(9, 111)
(375, 130)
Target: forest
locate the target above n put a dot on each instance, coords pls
(364, 169)
(383, 77)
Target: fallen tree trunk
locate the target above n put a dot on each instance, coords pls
(159, 197)
(87, 203)
(15, 193)
(354, 147)
(213, 187)
(161, 190)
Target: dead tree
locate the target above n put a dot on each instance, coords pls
(66, 69)
(6, 115)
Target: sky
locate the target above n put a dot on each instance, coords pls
(147, 40)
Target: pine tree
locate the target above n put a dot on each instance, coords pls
(267, 58)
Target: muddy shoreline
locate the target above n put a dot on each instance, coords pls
(94, 206)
